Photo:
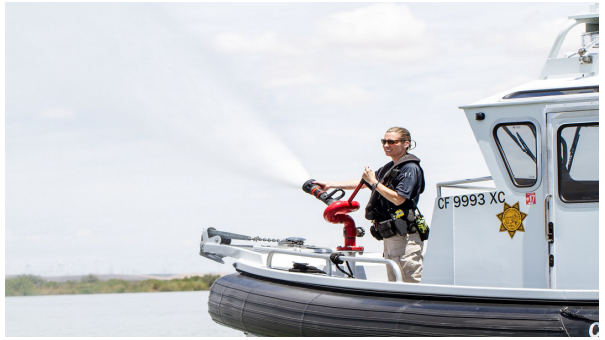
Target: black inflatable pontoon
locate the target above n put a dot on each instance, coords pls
(262, 307)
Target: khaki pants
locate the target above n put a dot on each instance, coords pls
(407, 252)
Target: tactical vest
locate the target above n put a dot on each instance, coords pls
(379, 207)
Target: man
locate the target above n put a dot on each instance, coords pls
(396, 188)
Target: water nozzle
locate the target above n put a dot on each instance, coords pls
(310, 187)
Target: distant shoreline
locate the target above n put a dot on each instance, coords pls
(30, 285)
(125, 277)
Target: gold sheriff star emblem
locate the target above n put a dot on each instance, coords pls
(512, 219)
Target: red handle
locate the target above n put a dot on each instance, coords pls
(361, 183)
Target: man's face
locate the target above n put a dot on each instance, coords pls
(396, 150)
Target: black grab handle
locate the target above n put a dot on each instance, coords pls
(342, 194)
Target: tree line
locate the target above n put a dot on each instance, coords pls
(24, 285)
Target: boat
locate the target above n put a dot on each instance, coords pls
(519, 258)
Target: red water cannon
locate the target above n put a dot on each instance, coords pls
(337, 212)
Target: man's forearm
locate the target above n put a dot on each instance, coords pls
(346, 185)
(389, 194)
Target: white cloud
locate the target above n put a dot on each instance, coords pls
(84, 233)
(295, 80)
(57, 113)
(351, 95)
(268, 42)
(379, 26)
(373, 53)
(378, 32)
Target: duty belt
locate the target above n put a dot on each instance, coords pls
(408, 229)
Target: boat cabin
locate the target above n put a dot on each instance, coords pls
(538, 228)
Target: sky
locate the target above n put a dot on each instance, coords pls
(131, 127)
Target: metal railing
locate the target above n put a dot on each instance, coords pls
(459, 184)
(326, 257)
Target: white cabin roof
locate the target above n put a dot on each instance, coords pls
(542, 85)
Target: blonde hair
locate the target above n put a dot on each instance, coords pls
(405, 135)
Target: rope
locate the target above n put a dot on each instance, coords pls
(335, 258)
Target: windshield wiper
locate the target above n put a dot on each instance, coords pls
(574, 145)
(520, 143)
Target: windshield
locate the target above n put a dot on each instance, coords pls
(517, 145)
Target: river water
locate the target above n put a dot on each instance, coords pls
(129, 314)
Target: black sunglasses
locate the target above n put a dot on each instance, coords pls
(390, 141)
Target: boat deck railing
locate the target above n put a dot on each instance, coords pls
(326, 257)
(461, 184)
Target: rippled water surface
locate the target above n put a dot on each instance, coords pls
(134, 314)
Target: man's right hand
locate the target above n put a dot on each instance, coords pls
(323, 185)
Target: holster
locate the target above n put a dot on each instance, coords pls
(401, 226)
(410, 220)
(384, 229)
(375, 233)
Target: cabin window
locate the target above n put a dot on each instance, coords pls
(517, 145)
(578, 163)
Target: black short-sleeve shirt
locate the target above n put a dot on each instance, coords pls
(407, 184)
